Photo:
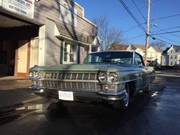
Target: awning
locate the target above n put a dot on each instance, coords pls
(84, 41)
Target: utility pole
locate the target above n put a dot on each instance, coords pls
(147, 30)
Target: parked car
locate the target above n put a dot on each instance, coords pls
(112, 77)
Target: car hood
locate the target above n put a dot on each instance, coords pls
(83, 67)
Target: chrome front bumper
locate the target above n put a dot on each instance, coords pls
(41, 91)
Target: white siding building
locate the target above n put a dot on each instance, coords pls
(171, 56)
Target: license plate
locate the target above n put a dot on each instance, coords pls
(66, 95)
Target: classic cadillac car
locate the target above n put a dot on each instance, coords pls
(112, 77)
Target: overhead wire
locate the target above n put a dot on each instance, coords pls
(166, 17)
(161, 40)
(139, 10)
(121, 15)
(137, 36)
(160, 35)
(166, 32)
(140, 24)
(160, 29)
(169, 39)
(132, 15)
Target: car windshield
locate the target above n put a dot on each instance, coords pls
(110, 57)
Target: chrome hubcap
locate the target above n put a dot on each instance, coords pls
(126, 99)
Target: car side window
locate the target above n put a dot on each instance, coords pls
(138, 60)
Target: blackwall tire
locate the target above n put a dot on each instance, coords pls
(147, 89)
(122, 105)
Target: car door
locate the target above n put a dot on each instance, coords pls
(143, 70)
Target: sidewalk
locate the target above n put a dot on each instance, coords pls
(14, 90)
(175, 72)
(13, 78)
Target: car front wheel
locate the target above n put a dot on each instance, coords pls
(147, 88)
(122, 104)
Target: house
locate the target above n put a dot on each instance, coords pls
(138, 48)
(118, 47)
(171, 56)
(43, 33)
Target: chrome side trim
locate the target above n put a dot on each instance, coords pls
(112, 93)
(41, 91)
(113, 96)
(36, 87)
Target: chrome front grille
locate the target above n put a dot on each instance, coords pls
(71, 85)
(71, 81)
(71, 76)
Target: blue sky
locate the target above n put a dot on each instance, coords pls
(165, 14)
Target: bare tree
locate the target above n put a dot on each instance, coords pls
(108, 35)
(159, 45)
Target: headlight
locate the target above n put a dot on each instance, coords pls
(30, 74)
(34, 75)
(110, 77)
(102, 77)
(113, 77)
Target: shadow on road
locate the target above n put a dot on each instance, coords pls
(83, 118)
(79, 118)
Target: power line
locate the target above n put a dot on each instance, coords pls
(132, 15)
(169, 39)
(138, 10)
(168, 29)
(122, 15)
(166, 32)
(161, 40)
(130, 28)
(166, 17)
(136, 37)
(140, 24)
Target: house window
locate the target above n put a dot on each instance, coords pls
(65, 53)
(69, 54)
(72, 54)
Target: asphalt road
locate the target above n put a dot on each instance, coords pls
(156, 113)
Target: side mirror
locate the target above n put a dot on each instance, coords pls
(139, 62)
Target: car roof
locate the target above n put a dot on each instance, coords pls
(114, 51)
(133, 51)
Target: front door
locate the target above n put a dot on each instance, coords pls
(22, 58)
